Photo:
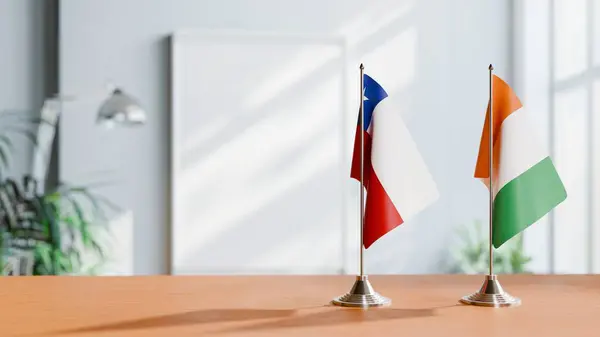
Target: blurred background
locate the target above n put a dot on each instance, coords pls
(240, 164)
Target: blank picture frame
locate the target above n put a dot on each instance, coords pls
(260, 154)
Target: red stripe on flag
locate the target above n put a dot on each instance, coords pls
(355, 170)
(381, 216)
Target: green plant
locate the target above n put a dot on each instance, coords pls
(472, 256)
(79, 217)
(67, 225)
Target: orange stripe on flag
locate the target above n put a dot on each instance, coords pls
(505, 103)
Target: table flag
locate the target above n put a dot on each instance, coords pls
(396, 179)
(526, 185)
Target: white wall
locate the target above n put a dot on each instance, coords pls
(22, 66)
(556, 65)
(431, 55)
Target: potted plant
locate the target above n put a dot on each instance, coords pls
(47, 233)
(472, 255)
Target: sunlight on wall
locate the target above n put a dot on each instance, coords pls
(285, 75)
(393, 63)
(247, 165)
(570, 47)
(571, 149)
(265, 158)
(120, 259)
(267, 179)
(596, 31)
(595, 183)
(571, 243)
(532, 84)
(324, 244)
(375, 17)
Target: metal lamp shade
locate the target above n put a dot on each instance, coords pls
(122, 110)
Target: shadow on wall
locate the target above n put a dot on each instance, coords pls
(276, 220)
(271, 219)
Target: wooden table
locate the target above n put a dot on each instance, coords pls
(292, 306)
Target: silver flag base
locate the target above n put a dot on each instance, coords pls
(491, 294)
(361, 295)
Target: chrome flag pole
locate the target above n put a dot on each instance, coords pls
(361, 247)
(362, 294)
(491, 149)
(491, 293)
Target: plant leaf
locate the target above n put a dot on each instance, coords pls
(473, 255)
(4, 139)
(98, 202)
(43, 254)
(4, 157)
(75, 257)
(51, 213)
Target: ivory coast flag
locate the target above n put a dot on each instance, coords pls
(525, 183)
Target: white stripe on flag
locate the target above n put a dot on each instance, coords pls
(520, 148)
(398, 163)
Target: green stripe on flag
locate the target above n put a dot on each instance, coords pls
(525, 200)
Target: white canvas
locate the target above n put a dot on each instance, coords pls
(260, 149)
